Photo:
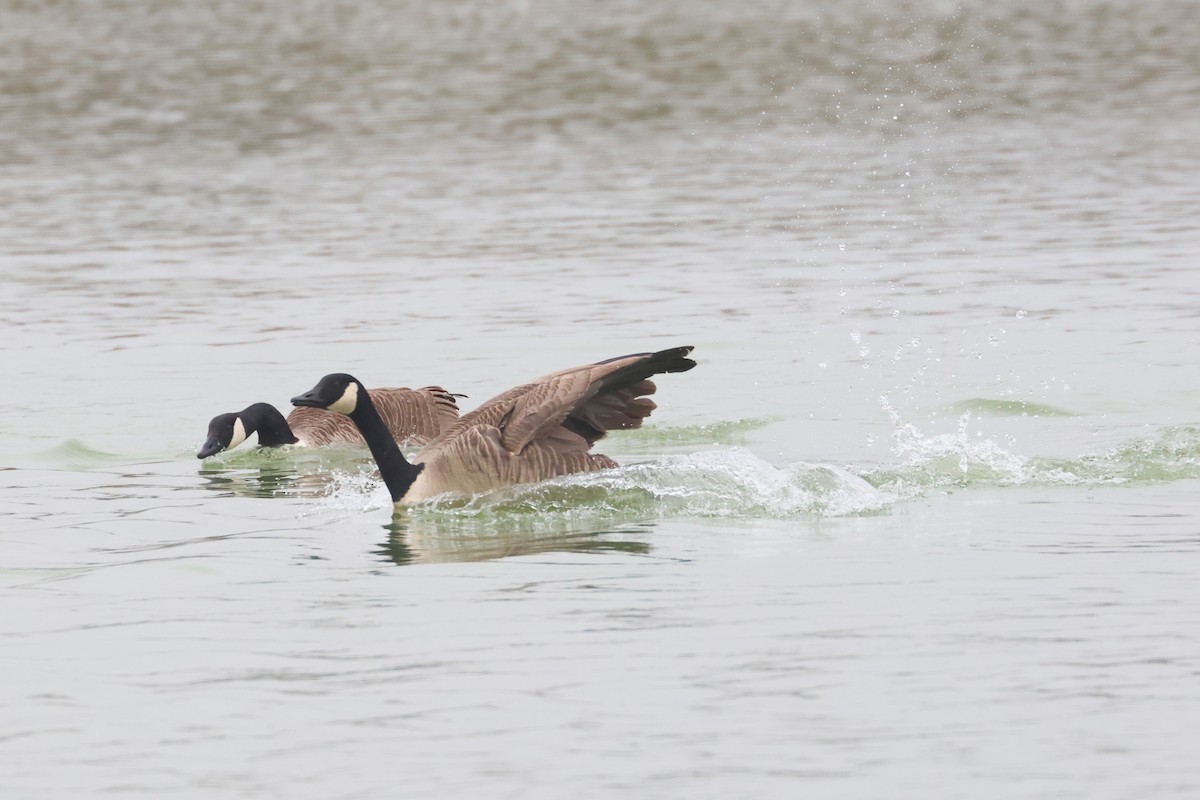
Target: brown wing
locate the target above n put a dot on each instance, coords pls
(446, 404)
(545, 428)
(591, 400)
(489, 414)
(316, 427)
(414, 417)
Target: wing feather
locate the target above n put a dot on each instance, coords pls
(546, 427)
(413, 416)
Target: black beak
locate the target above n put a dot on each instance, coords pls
(211, 447)
(309, 399)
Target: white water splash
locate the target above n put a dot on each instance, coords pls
(350, 492)
(961, 460)
(733, 482)
(946, 459)
(722, 483)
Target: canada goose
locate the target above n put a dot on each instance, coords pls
(411, 416)
(530, 433)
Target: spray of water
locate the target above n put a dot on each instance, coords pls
(725, 480)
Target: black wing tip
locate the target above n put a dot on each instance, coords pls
(647, 366)
(673, 360)
(672, 354)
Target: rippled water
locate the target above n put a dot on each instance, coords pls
(922, 523)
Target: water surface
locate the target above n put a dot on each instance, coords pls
(921, 523)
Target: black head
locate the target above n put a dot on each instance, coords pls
(337, 392)
(225, 432)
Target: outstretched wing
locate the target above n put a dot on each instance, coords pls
(589, 401)
(545, 427)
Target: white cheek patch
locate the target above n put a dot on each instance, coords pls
(239, 434)
(348, 401)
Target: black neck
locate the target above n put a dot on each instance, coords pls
(272, 428)
(394, 468)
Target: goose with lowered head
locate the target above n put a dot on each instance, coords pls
(532, 432)
(412, 417)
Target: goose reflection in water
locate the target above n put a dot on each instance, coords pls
(267, 480)
(472, 529)
(413, 540)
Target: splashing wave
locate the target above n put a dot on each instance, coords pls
(959, 460)
(723, 483)
(733, 482)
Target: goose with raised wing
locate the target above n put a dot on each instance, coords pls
(532, 432)
(412, 417)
